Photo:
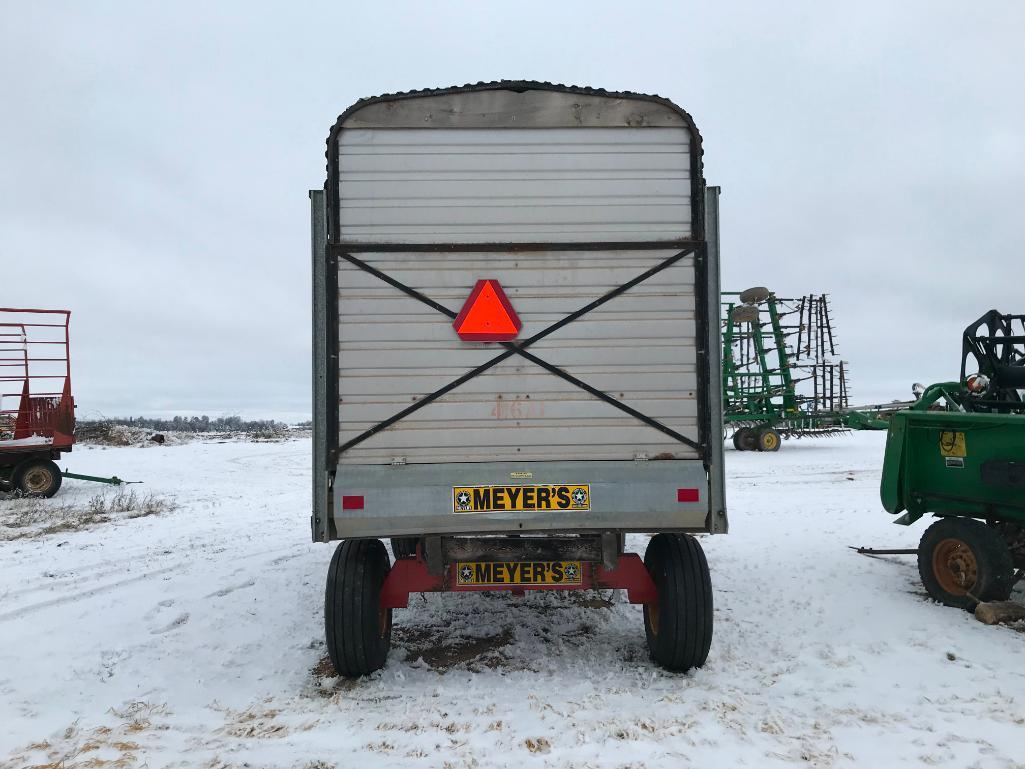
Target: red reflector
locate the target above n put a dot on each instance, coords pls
(352, 503)
(487, 315)
(687, 495)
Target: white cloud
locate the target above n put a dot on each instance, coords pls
(155, 163)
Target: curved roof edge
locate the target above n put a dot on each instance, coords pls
(519, 85)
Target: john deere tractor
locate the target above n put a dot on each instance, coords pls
(959, 454)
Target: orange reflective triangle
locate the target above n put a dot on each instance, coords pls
(487, 315)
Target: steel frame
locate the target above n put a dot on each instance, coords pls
(761, 370)
(411, 575)
(996, 344)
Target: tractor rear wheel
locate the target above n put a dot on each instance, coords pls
(963, 561)
(768, 439)
(679, 626)
(357, 628)
(37, 478)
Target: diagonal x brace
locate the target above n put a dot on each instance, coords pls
(512, 348)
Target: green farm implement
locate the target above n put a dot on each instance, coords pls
(959, 454)
(781, 373)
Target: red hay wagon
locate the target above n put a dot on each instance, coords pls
(37, 410)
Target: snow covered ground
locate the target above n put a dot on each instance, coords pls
(193, 637)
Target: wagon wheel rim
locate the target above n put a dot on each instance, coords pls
(955, 566)
(770, 441)
(37, 480)
(653, 617)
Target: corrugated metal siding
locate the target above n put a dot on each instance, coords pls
(556, 185)
(640, 347)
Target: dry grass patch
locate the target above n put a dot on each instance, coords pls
(258, 721)
(130, 505)
(24, 517)
(102, 747)
(540, 745)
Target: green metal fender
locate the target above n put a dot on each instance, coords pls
(954, 462)
(891, 485)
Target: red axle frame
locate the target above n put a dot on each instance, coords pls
(410, 575)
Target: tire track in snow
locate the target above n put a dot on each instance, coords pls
(99, 590)
(23, 610)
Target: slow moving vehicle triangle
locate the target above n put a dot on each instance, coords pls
(487, 315)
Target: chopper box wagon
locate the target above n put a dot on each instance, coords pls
(516, 357)
(37, 408)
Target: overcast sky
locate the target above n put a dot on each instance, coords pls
(155, 161)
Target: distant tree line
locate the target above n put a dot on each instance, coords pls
(203, 424)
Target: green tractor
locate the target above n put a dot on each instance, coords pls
(959, 454)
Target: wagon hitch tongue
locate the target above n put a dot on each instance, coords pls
(884, 551)
(112, 480)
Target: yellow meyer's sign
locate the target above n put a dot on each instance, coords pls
(526, 499)
(511, 573)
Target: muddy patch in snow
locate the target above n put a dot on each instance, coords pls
(486, 631)
(325, 682)
(440, 653)
(500, 631)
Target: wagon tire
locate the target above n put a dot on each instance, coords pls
(357, 629)
(403, 547)
(745, 439)
(768, 439)
(37, 478)
(963, 561)
(678, 626)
